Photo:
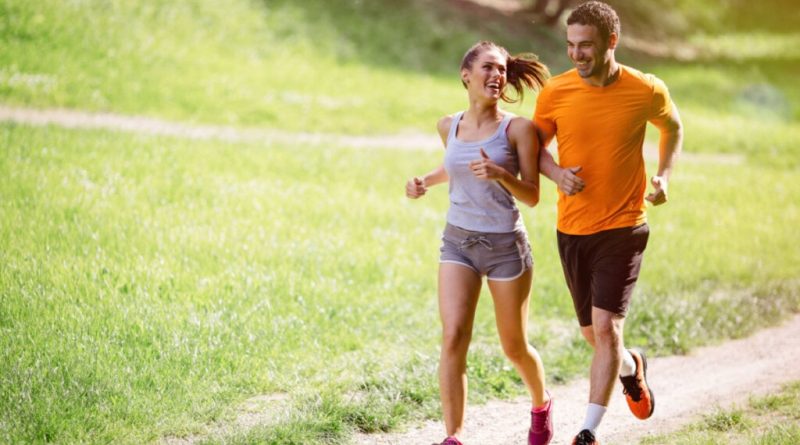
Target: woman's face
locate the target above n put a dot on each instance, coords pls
(487, 76)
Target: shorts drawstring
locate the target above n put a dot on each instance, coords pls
(472, 240)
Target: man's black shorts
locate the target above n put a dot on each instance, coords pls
(601, 269)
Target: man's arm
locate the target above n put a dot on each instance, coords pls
(565, 178)
(670, 145)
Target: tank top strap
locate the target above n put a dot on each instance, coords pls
(503, 129)
(454, 126)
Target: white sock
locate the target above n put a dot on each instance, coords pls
(594, 415)
(628, 367)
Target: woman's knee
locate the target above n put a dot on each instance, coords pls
(456, 340)
(516, 349)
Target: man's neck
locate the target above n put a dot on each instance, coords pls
(607, 76)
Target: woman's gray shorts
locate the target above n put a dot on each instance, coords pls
(499, 256)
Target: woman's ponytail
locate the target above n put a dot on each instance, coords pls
(525, 71)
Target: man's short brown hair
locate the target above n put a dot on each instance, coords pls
(598, 14)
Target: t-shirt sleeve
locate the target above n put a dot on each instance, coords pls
(542, 117)
(661, 106)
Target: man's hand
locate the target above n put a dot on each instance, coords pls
(659, 195)
(415, 187)
(568, 182)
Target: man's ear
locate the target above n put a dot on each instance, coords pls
(613, 39)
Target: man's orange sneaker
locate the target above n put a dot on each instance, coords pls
(637, 391)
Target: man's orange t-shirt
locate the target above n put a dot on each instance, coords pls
(602, 130)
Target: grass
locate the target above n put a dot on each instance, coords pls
(142, 276)
(150, 285)
(768, 420)
(738, 108)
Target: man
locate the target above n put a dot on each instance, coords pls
(598, 113)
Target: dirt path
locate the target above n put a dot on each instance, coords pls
(684, 387)
(145, 125)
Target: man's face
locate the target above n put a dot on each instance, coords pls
(587, 50)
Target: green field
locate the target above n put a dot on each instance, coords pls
(150, 285)
(152, 278)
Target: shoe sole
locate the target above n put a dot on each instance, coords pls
(644, 377)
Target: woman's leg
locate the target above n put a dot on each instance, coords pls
(459, 288)
(511, 313)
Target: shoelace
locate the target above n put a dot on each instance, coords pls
(631, 386)
(585, 437)
(539, 421)
(472, 240)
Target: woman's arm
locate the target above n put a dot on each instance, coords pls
(523, 138)
(418, 185)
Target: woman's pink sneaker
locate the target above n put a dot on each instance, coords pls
(541, 431)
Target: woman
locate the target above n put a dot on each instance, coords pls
(491, 157)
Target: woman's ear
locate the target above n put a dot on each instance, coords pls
(465, 76)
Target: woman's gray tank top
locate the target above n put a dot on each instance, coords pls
(481, 205)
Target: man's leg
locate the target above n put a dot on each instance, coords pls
(615, 272)
(632, 374)
(608, 348)
(615, 263)
(605, 336)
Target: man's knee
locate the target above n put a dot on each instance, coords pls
(607, 331)
(588, 334)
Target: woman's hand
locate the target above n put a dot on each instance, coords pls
(415, 188)
(485, 168)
